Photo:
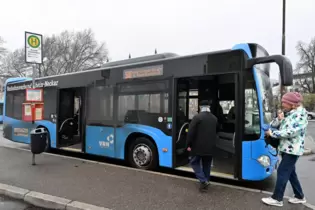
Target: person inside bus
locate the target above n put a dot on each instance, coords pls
(201, 142)
(291, 146)
(231, 114)
(217, 110)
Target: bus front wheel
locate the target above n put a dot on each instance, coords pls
(143, 154)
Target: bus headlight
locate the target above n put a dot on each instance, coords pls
(264, 160)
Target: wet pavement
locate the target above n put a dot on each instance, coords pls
(116, 187)
(103, 184)
(310, 141)
(11, 204)
(306, 168)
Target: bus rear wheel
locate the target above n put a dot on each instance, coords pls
(143, 154)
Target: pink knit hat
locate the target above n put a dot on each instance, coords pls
(293, 98)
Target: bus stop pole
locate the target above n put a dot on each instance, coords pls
(282, 89)
(33, 85)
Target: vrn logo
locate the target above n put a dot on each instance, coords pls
(104, 144)
(108, 142)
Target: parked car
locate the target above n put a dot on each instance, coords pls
(310, 115)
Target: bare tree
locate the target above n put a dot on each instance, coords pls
(13, 64)
(305, 69)
(3, 51)
(63, 53)
(72, 52)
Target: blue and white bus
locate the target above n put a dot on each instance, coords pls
(139, 109)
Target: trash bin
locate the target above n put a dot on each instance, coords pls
(38, 140)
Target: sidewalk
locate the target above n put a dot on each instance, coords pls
(118, 188)
(310, 144)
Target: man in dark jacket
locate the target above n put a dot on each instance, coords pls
(201, 142)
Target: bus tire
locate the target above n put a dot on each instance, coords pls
(48, 147)
(143, 154)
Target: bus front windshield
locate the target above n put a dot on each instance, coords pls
(266, 95)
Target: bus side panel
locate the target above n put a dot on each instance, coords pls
(18, 130)
(161, 140)
(252, 169)
(52, 131)
(100, 141)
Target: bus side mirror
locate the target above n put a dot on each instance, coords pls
(285, 66)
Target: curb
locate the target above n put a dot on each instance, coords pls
(53, 202)
(44, 200)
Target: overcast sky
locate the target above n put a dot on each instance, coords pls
(179, 26)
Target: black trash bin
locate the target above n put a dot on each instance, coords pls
(38, 140)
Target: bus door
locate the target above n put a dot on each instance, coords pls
(229, 142)
(70, 109)
(186, 107)
(181, 121)
(222, 91)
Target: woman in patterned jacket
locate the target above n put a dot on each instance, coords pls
(291, 135)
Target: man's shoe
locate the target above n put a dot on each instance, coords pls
(272, 202)
(204, 186)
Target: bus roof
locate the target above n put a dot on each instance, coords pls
(128, 63)
(125, 63)
(17, 80)
(139, 59)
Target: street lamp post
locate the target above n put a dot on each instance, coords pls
(283, 41)
(283, 27)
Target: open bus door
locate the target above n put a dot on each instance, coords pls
(180, 122)
(224, 91)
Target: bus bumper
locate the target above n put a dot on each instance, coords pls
(252, 168)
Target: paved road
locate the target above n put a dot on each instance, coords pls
(118, 188)
(10, 204)
(305, 168)
(310, 143)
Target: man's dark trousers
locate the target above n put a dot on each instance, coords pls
(202, 167)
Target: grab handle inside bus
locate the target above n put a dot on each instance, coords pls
(285, 66)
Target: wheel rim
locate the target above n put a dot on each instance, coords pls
(142, 155)
(309, 117)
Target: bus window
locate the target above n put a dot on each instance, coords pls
(252, 119)
(14, 100)
(165, 96)
(149, 98)
(193, 103)
(266, 96)
(100, 104)
(193, 107)
(149, 103)
(125, 103)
